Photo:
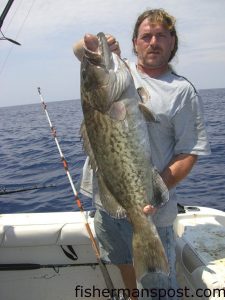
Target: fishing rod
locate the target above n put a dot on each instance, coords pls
(5, 191)
(5, 12)
(34, 266)
(2, 18)
(105, 273)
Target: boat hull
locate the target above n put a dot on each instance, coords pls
(50, 256)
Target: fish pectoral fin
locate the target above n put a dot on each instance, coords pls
(148, 115)
(117, 111)
(161, 193)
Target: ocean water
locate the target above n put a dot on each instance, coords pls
(29, 158)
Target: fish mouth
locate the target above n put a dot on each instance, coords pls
(106, 54)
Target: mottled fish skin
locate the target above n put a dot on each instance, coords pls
(118, 137)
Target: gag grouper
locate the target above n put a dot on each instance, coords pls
(116, 139)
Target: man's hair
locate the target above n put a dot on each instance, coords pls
(157, 16)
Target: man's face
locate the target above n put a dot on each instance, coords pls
(153, 45)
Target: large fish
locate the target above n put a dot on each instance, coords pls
(116, 139)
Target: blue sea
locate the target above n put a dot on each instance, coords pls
(29, 158)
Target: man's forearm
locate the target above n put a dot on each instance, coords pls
(178, 169)
(78, 49)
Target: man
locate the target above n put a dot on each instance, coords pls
(177, 138)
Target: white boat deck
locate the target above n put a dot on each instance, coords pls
(38, 238)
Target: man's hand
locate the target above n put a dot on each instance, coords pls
(91, 42)
(149, 210)
(113, 44)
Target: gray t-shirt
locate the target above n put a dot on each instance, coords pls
(179, 128)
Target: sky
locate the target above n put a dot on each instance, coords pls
(47, 29)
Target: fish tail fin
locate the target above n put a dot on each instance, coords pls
(148, 252)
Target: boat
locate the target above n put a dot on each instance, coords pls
(50, 256)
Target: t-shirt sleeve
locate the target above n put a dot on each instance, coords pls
(189, 126)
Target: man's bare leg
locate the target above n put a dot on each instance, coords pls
(129, 278)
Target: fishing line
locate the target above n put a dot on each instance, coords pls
(5, 191)
(105, 273)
